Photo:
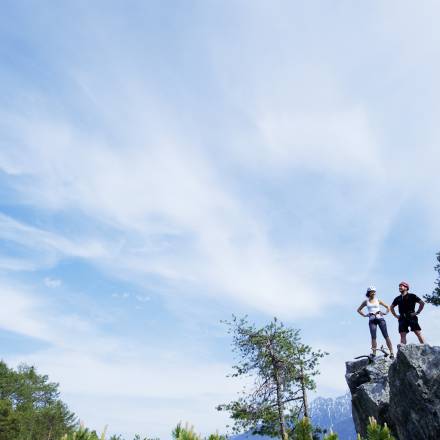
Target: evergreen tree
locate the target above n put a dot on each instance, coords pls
(283, 369)
(185, 433)
(434, 298)
(377, 432)
(30, 406)
(303, 430)
(9, 422)
(331, 436)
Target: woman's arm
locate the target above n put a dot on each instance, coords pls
(359, 310)
(384, 305)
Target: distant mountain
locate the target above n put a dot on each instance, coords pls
(327, 413)
(334, 414)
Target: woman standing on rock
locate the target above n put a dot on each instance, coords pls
(376, 318)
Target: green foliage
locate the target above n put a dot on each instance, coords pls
(185, 433)
(303, 430)
(331, 436)
(282, 367)
(30, 408)
(434, 298)
(83, 433)
(217, 436)
(377, 432)
(9, 422)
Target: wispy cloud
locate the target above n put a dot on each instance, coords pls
(52, 282)
(114, 367)
(229, 155)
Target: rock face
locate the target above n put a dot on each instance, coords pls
(404, 393)
(415, 393)
(370, 392)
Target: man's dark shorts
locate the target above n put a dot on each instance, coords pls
(411, 321)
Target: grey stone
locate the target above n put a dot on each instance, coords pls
(368, 383)
(415, 392)
(404, 393)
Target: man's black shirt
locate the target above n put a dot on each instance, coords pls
(406, 303)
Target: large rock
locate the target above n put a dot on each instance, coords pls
(404, 393)
(415, 392)
(370, 393)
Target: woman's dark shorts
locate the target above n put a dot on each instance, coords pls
(411, 322)
(373, 327)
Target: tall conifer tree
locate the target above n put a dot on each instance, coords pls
(283, 370)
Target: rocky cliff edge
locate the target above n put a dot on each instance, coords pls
(404, 393)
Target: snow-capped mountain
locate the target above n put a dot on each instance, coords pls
(334, 414)
(326, 413)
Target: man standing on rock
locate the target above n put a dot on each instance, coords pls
(407, 316)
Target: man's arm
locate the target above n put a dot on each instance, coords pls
(421, 305)
(393, 312)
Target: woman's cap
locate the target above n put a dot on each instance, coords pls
(371, 289)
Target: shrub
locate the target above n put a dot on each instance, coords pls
(377, 432)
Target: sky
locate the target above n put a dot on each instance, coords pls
(166, 164)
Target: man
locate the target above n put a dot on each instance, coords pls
(407, 316)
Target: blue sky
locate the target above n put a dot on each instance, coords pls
(166, 164)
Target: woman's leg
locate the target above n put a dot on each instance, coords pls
(374, 346)
(383, 329)
(389, 345)
(373, 331)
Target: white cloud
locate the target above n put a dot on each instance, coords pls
(19, 313)
(52, 282)
(272, 168)
(115, 369)
(224, 245)
(123, 295)
(47, 245)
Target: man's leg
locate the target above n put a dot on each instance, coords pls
(403, 338)
(403, 330)
(419, 336)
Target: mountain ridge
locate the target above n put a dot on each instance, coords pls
(326, 413)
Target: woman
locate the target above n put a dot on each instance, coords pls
(375, 317)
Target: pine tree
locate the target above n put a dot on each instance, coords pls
(377, 432)
(303, 430)
(9, 421)
(331, 436)
(217, 436)
(185, 433)
(30, 405)
(283, 369)
(434, 298)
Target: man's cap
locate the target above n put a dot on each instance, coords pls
(404, 284)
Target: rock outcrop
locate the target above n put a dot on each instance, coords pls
(370, 392)
(404, 393)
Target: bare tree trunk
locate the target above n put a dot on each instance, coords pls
(280, 408)
(304, 394)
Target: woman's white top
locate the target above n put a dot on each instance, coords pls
(373, 307)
